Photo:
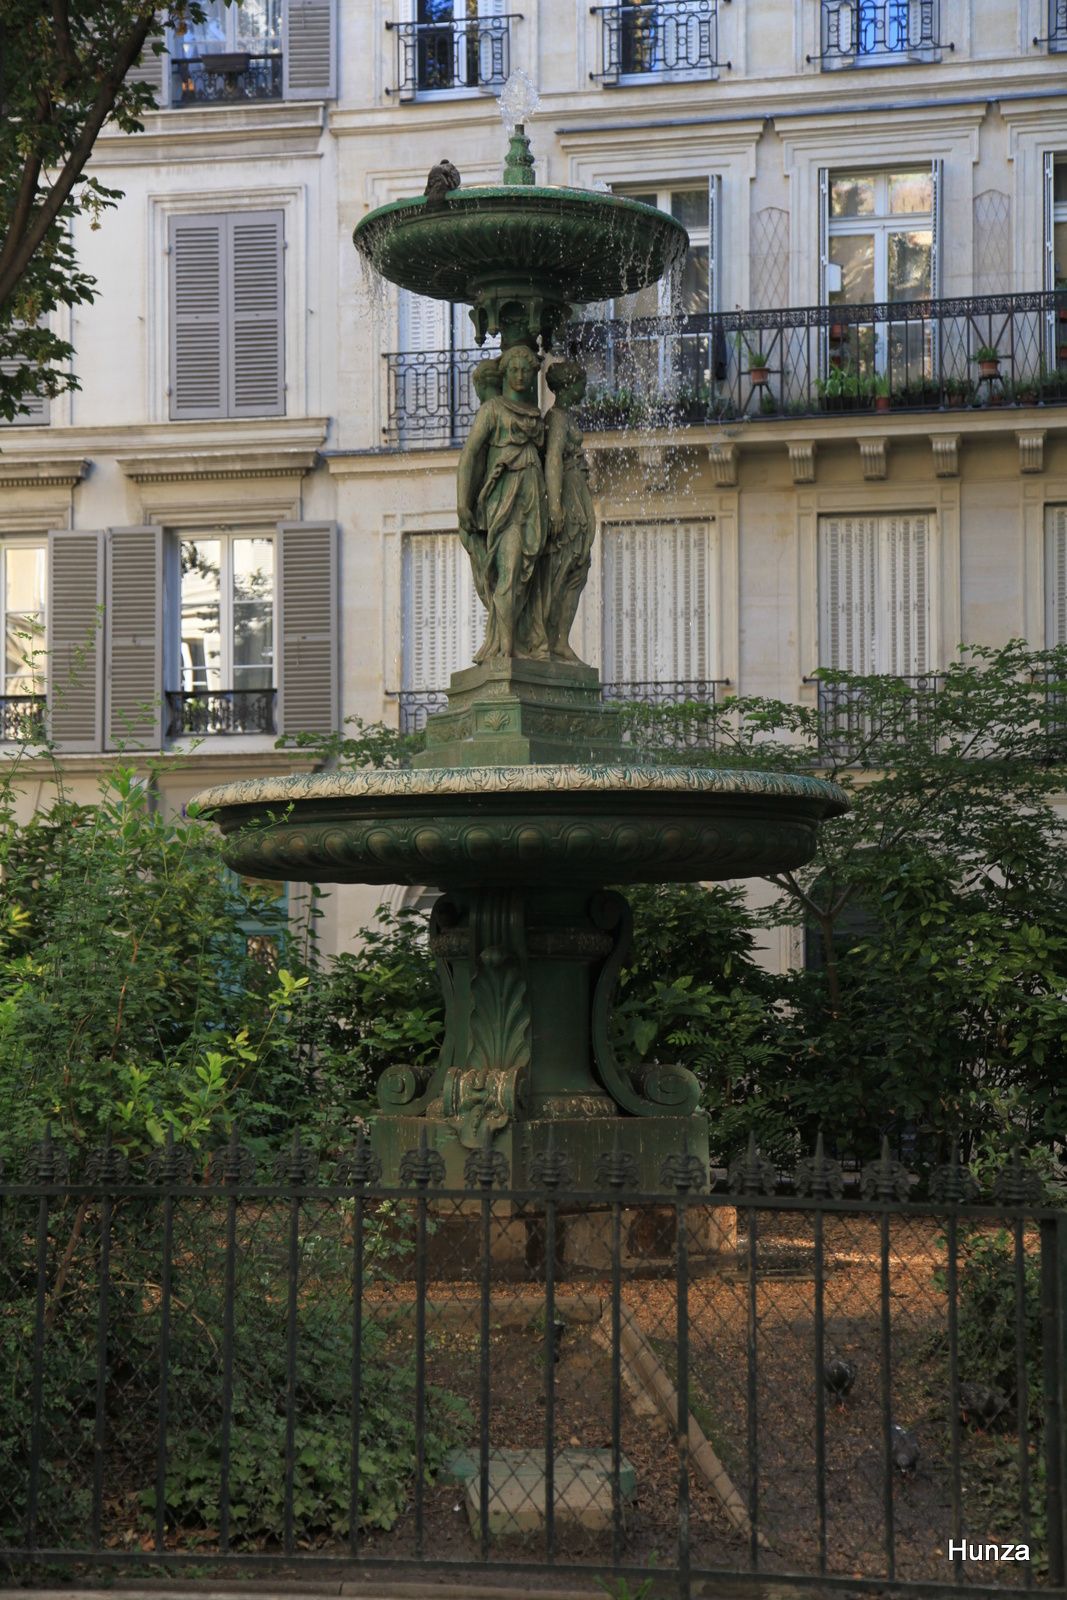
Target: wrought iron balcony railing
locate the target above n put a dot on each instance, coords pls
(650, 40)
(850, 726)
(922, 355)
(22, 718)
(1056, 37)
(697, 696)
(469, 53)
(883, 31)
(220, 711)
(225, 76)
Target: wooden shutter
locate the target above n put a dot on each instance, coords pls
(658, 603)
(256, 314)
(492, 54)
(443, 621)
(1055, 576)
(151, 68)
(904, 607)
(38, 406)
(309, 50)
(848, 564)
(424, 323)
(134, 617)
(308, 600)
(75, 651)
(197, 316)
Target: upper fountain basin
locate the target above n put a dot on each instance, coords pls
(576, 244)
(533, 825)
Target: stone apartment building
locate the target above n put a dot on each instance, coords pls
(837, 437)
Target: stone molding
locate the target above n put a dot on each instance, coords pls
(42, 472)
(802, 460)
(180, 466)
(874, 457)
(724, 460)
(1031, 450)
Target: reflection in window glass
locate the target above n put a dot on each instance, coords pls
(255, 26)
(851, 197)
(690, 208)
(253, 613)
(909, 266)
(854, 254)
(201, 625)
(910, 191)
(23, 595)
(1059, 245)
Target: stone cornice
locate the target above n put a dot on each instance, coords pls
(41, 471)
(178, 466)
(186, 133)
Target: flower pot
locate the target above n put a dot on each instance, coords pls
(989, 369)
(758, 374)
(996, 397)
(881, 402)
(1027, 397)
(1062, 313)
(1061, 352)
(837, 361)
(837, 330)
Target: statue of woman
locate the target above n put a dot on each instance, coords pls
(503, 509)
(572, 520)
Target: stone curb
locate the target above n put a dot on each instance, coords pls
(251, 1589)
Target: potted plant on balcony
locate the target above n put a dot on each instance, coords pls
(758, 365)
(843, 389)
(988, 359)
(880, 390)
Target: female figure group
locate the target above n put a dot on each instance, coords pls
(525, 511)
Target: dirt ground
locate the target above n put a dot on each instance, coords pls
(753, 1388)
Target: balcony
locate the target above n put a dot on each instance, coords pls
(967, 355)
(200, 713)
(225, 77)
(22, 718)
(465, 56)
(676, 713)
(1056, 23)
(880, 32)
(661, 40)
(849, 727)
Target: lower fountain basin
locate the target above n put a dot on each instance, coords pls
(516, 826)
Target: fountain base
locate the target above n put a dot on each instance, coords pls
(523, 711)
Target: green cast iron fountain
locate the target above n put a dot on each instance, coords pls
(525, 808)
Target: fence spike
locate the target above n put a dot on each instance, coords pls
(818, 1176)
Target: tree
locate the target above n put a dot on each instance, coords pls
(64, 72)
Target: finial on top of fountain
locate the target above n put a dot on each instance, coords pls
(518, 100)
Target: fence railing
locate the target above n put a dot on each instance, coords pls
(215, 711)
(468, 53)
(697, 696)
(843, 1388)
(234, 75)
(880, 30)
(849, 723)
(649, 41)
(976, 353)
(22, 718)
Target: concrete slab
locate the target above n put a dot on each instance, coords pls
(582, 1493)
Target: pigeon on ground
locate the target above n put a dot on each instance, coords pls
(981, 1405)
(905, 1451)
(443, 178)
(838, 1376)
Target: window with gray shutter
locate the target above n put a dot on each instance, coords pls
(150, 68)
(658, 603)
(75, 648)
(227, 327)
(308, 600)
(443, 621)
(874, 594)
(1055, 576)
(134, 617)
(38, 407)
(310, 50)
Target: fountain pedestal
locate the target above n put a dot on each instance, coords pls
(510, 713)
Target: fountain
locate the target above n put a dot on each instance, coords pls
(526, 809)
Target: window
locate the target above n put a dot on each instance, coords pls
(658, 603)
(443, 621)
(644, 38)
(227, 634)
(881, 249)
(874, 594)
(1055, 576)
(1056, 221)
(654, 360)
(431, 400)
(23, 589)
(38, 407)
(858, 31)
(453, 47)
(227, 347)
(258, 50)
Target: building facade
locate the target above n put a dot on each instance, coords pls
(837, 437)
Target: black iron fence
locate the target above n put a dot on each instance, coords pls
(880, 30)
(850, 1385)
(22, 718)
(648, 41)
(676, 710)
(222, 76)
(216, 711)
(978, 353)
(467, 53)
